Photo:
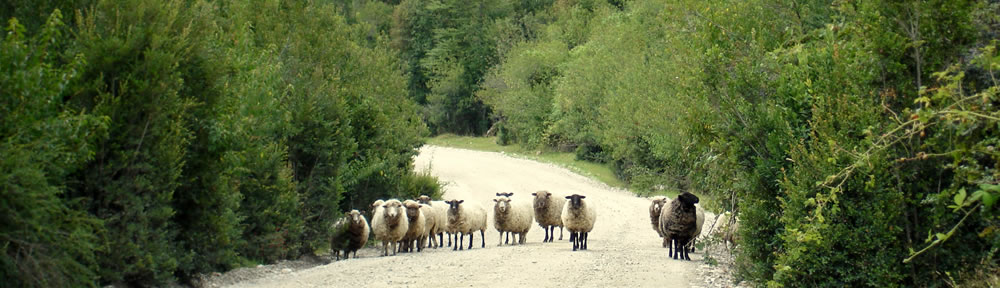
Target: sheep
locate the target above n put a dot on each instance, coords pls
(507, 234)
(727, 227)
(698, 223)
(390, 224)
(512, 217)
(678, 223)
(433, 226)
(654, 213)
(417, 226)
(578, 216)
(375, 209)
(350, 233)
(547, 214)
(440, 208)
(466, 219)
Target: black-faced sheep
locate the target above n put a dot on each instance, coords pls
(441, 222)
(350, 233)
(390, 224)
(678, 223)
(465, 219)
(579, 217)
(548, 213)
(512, 217)
(417, 227)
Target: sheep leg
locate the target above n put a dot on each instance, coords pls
(572, 238)
(546, 230)
(441, 239)
(685, 251)
(506, 238)
(394, 243)
(459, 240)
(385, 248)
(671, 244)
(482, 234)
(560, 232)
(471, 236)
(584, 244)
(500, 241)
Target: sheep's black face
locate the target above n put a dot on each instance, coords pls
(575, 200)
(453, 205)
(688, 199)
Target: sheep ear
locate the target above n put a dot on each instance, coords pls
(460, 201)
(449, 202)
(569, 197)
(495, 200)
(581, 196)
(510, 194)
(534, 194)
(499, 194)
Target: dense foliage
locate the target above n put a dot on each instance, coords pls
(149, 141)
(850, 136)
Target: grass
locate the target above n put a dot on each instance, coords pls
(597, 171)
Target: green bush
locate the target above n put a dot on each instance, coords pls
(169, 139)
(47, 239)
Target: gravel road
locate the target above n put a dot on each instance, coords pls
(624, 251)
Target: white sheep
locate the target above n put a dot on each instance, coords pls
(390, 224)
(727, 227)
(678, 223)
(548, 213)
(465, 219)
(654, 213)
(417, 227)
(578, 216)
(432, 226)
(350, 233)
(512, 217)
(376, 209)
(699, 223)
(440, 208)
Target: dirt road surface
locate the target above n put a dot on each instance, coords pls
(624, 251)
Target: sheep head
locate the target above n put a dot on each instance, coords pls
(424, 199)
(356, 218)
(375, 205)
(503, 204)
(575, 200)
(687, 201)
(541, 199)
(412, 209)
(454, 206)
(393, 209)
(658, 203)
